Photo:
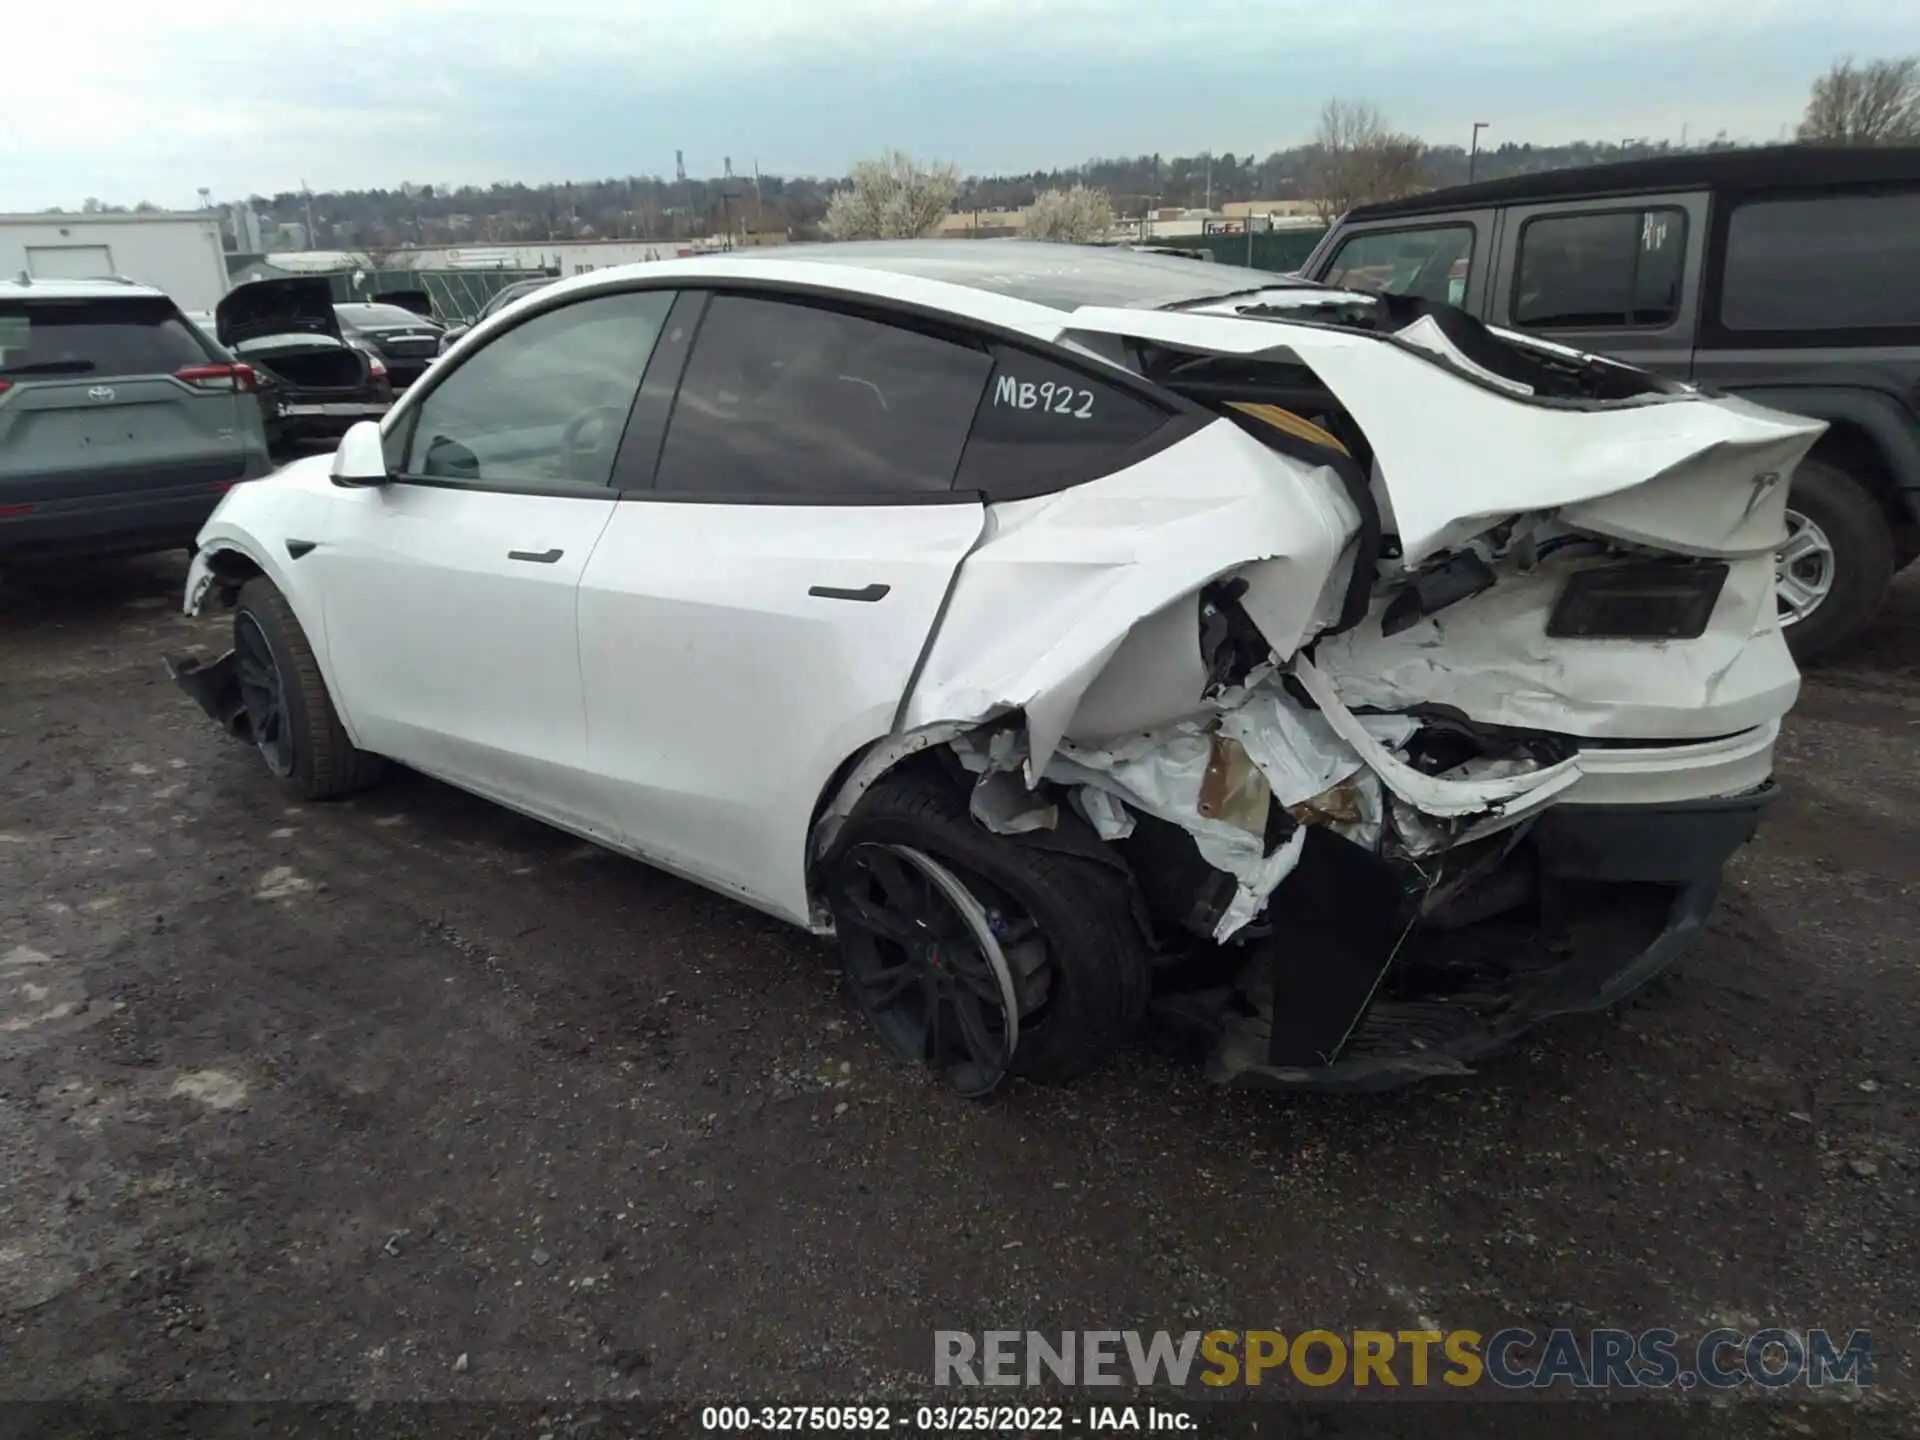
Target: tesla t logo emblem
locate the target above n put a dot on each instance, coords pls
(1762, 487)
(100, 392)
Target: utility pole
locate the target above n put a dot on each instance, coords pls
(1209, 205)
(313, 240)
(1473, 151)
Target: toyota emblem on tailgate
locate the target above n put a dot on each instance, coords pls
(100, 392)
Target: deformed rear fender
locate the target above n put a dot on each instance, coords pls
(1050, 599)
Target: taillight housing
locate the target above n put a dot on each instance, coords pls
(376, 367)
(228, 378)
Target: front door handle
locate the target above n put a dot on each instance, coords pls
(872, 592)
(536, 557)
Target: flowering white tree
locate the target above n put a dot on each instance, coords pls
(893, 197)
(1877, 103)
(1077, 216)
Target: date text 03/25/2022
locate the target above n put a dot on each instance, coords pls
(942, 1419)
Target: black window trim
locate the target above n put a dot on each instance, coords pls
(1582, 212)
(1440, 220)
(1184, 417)
(634, 466)
(1715, 334)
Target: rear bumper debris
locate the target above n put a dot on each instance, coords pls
(1361, 989)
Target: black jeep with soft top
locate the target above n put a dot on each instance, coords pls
(1788, 275)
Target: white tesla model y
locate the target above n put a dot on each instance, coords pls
(1067, 631)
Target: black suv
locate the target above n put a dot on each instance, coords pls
(1788, 275)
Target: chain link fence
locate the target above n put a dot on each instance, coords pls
(1281, 251)
(457, 295)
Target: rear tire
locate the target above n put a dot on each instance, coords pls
(308, 750)
(1859, 559)
(1080, 965)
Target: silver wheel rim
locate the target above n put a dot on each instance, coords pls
(1802, 570)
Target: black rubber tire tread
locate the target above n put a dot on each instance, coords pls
(1862, 557)
(326, 765)
(1102, 972)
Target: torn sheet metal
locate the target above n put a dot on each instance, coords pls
(1506, 795)
(1165, 775)
(1489, 656)
(1451, 453)
(1050, 597)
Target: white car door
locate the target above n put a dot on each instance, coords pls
(757, 616)
(449, 591)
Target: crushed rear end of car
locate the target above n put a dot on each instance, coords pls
(1424, 693)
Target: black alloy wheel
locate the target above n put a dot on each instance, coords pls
(925, 964)
(264, 693)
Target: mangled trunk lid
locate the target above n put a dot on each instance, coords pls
(1253, 667)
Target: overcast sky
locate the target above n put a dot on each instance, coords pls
(151, 101)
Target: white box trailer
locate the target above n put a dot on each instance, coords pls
(179, 253)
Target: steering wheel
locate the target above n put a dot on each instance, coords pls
(581, 460)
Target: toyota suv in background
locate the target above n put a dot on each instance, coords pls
(405, 339)
(1789, 276)
(120, 426)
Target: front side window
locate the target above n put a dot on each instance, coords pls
(1614, 269)
(785, 399)
(1429, 263)
(544, 404)
(1831, 262)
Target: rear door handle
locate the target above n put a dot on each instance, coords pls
(536, 557)
(872, 592)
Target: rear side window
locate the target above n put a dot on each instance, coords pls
(1429, 263)
(1612, 269)
(1043, 425)
(784, 399)
(1833, 262)
(104, 338)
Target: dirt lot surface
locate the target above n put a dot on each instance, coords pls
(409, 1097)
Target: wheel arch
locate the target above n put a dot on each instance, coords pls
(228, 560)
(867, 766)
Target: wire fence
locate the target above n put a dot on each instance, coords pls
(1278, 250)
(457, 295)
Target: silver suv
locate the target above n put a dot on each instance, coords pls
(120, 425)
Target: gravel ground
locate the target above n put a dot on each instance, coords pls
(408, 1097)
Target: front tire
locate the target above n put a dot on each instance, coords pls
(1836, 564)
(934, 966)
(290, 716)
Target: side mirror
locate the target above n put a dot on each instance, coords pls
(361, 458)
(451, 334)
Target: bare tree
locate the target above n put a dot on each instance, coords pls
(892, 197)
(1877, 103)
(1076, 216)
(1356, 160)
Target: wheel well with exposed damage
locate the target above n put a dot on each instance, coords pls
(231, 569)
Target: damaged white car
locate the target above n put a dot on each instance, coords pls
(1069, 632)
